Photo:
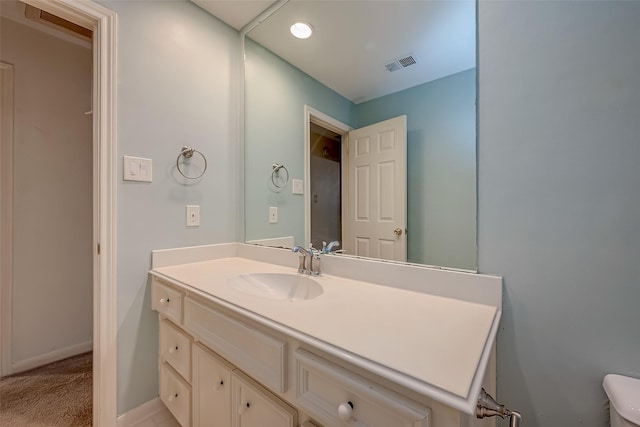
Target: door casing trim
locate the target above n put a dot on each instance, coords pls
(103, 22)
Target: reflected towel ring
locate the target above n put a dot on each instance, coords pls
(276, 172)
(187, 153)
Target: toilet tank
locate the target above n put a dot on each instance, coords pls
(624, 396)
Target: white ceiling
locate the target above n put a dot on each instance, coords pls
(354, 39)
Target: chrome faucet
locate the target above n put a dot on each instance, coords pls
(304, 254)
(309, 260)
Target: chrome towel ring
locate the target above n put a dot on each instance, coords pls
(276, 173)
(187, 152)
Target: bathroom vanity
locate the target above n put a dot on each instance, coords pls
(247, 341)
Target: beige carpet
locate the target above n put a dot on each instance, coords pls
(59, 394)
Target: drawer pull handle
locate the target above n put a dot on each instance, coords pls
(243, 408)
(165, 301)
(220, 384)
(345, 410)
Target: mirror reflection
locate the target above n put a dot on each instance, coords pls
(313, 105)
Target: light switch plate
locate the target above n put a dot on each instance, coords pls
(297, 186)
(137, 169)
(193, 215)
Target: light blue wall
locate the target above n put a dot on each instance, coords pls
(177, 85)
(275, 97)
(559, 200)
(441, 166)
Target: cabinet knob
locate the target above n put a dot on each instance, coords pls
(220, 385)
(172, 397)
(173, 349)
(164, 301)
(345, 410)
(243, 407)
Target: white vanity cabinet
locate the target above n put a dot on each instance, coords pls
(237, 374)
(357, 354)
(198, 386)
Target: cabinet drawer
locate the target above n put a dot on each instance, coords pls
(176, 395)
(255, 352)
(322, 387)
(211, 389)
(253, 405)
(175, 348)
(166, 300)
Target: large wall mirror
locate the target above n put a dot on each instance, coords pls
(373, 120)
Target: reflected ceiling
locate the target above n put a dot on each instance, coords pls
(438, 35)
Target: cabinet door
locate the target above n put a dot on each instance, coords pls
(254, 406)
(211, 389)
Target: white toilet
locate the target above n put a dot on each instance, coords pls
(624, 396)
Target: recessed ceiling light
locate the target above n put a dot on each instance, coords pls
(301, 30)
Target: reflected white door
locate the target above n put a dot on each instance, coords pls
(376, 199)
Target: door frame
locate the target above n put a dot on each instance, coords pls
(311, 115)
(6, 211)
(103, 22)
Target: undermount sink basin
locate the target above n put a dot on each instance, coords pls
(277, 286)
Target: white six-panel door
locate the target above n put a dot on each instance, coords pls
(376, 220)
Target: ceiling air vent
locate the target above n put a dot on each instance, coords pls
(400, 63)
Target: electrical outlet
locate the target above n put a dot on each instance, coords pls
(273, 215)
(193, 215)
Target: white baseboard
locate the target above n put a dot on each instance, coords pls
(52, 356)
(151, 413)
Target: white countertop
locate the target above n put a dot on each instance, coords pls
(436, 340)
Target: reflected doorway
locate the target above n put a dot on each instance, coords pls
(357, 189)
(325, 185)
